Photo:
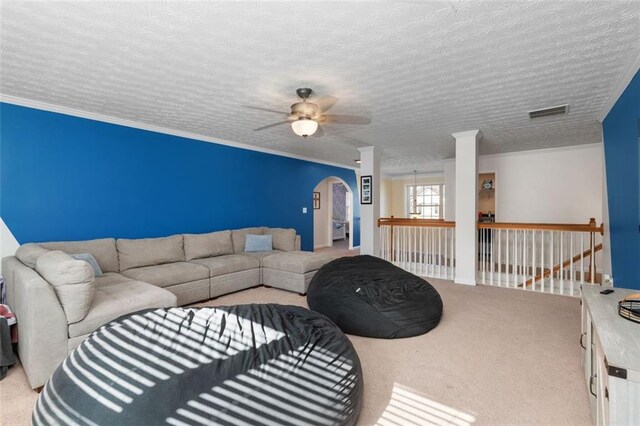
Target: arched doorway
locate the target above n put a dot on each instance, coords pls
(332, 213)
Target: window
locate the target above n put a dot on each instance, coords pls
(430, 199)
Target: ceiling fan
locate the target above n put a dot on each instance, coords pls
(305, 117)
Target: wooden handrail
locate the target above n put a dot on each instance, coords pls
(590, 227)
(565, 264)
(438, 223)
(403, 221)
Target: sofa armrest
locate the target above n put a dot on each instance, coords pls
(9, 266)
(298, 243)
(42, 326)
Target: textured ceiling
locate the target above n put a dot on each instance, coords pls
(419, 71)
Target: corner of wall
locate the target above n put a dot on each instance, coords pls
(8, 243)
(606, 238)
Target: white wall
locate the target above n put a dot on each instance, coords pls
(395, 198)
(8, 243)
(559, 185)
(321, 216)
(450, 190)
(399, 200)
(606, 238)
(386, 196)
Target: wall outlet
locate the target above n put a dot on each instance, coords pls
(304, 210)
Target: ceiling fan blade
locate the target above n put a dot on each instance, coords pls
(265, 109)
(325, 102)
(272, 125)
(346, 119)
(319, 132)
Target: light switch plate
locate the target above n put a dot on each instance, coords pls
(304, 210)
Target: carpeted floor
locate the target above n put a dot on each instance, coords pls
(339, 248)
(499, 357)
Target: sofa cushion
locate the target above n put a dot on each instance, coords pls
(239, 235)
(149, 251)
(228, 264)
(116, 299)
(168, 274)
(258, 243)
(261, 254)
(88, 257)
(110, 278)
(283, 239)
(299, 262)
(29, 254)
(197, 246)
(103, 249)
(72, 281)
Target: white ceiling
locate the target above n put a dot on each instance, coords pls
(420, 71)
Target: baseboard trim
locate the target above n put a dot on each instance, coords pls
(465, 281)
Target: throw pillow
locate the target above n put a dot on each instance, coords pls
(258, 243)
(88, 257)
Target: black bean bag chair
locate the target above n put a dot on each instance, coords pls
(368, 296)
(248, 364)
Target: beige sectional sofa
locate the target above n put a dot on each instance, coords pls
(59, 301)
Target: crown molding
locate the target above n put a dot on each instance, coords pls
(544, 150)
(29, 103)
(619, 87)
(534, 151)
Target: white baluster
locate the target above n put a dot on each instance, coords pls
(592, 259)
(446, 252)
(533, 261)
(551, 283)
(439, 254)
(581, 258)
(491, 259)
(571, 272)
(561, 234)
(542, 234)
(500, 257)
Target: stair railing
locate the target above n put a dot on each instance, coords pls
(553, 258)
(424, 247)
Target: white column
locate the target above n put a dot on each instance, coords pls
(370, 213)
(466, 213)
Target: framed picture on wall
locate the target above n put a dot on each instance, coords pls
(316, 200)
(366, 189)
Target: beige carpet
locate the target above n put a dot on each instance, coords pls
(340, 248)
(499, 357)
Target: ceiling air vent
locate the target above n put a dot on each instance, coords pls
(545, 112)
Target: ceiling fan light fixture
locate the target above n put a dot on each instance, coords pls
(304, 127)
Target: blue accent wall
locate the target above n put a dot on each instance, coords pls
(620, 133)
(70, 178)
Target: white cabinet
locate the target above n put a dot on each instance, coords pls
(611, 358)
